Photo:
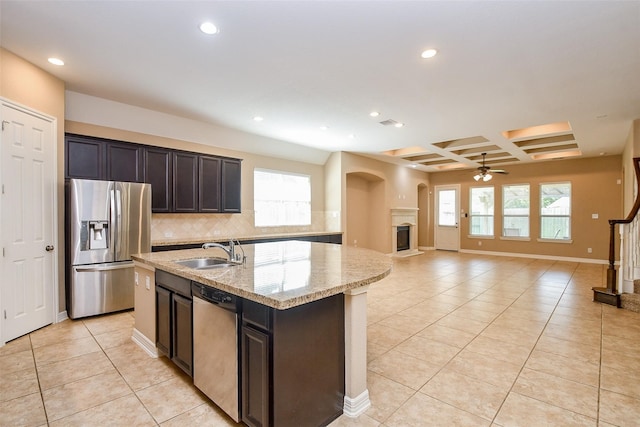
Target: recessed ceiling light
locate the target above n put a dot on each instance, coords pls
(374, 114)
(258, 119)
(399, 125)
(56, 61)
(352, 136)
(429, 53)
(209, 28)
(324, 127)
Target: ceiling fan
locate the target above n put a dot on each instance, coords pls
(484, 171)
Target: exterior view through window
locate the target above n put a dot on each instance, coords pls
(515, 210)
(555, 211)
(447, 207)
(482, 201)
(281, 198)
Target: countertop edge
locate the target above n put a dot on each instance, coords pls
(167, 241)
(280, 304)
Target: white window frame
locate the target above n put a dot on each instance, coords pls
(555, 240)
(471, 214)
(284, 204)
(505, 235)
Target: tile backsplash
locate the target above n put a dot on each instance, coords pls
(196, 226)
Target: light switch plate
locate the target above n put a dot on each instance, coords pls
(147, 282)
(594, 216)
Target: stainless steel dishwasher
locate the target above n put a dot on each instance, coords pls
(215, 347)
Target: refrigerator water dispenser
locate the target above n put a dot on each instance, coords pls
(95, 235)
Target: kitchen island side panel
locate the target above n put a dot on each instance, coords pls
(308, 363)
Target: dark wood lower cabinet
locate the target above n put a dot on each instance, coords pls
(255, 377)
(182, 333)
(163, 320)
(174, 324)
(300, 376)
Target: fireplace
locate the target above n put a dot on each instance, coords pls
(404, 232)
(403, 242)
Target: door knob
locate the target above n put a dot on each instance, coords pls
(49, 248)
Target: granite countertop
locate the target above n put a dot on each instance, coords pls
(281, 274)
(168, 241)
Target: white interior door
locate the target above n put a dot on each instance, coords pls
(447, 232)
(27, 267)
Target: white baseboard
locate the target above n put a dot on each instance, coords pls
(536, 256)
(354, 407)
(61, 316)
(145, 343)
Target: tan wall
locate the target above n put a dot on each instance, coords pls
(28, 85)
(595, 189)
(390, 186)
(189, 226)
(333, 195)
(359, 192)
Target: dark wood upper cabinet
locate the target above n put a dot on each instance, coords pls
(185, 182)
(209, 184)
(125, 162)
(159, 173)
(231, 185)
(84, 157)
(181, 181)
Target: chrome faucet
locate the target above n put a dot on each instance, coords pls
(231, 252)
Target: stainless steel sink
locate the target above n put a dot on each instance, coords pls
(205, 263)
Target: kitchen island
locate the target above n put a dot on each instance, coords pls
(286, 280)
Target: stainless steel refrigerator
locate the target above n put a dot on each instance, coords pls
(108, 221)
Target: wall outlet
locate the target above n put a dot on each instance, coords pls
(589, 250)
(594, 216)
(147, 282)
(480, 243)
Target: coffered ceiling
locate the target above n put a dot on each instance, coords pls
(522, 81)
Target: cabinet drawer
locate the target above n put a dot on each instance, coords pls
(175, 283)
(256, 314)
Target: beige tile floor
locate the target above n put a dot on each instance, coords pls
(453, 339)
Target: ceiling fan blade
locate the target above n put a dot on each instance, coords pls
(498, 171)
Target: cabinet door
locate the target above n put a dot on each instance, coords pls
(163, 321)
(185, 182)
(231, 185)
(209, 184)
(255, 377)
(84, 158)
(158, 172)
(182, 333)
(124, 162)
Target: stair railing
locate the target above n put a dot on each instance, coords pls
(610, 295)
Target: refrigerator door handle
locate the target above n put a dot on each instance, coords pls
(104, 267)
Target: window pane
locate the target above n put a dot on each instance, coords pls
(555, 199)
(482, 201)
(482, 225)
(517, 226)
(481, 207)
(554, 227)
(281, 199)
(555, 210)
(515, 210)
(446, 207)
